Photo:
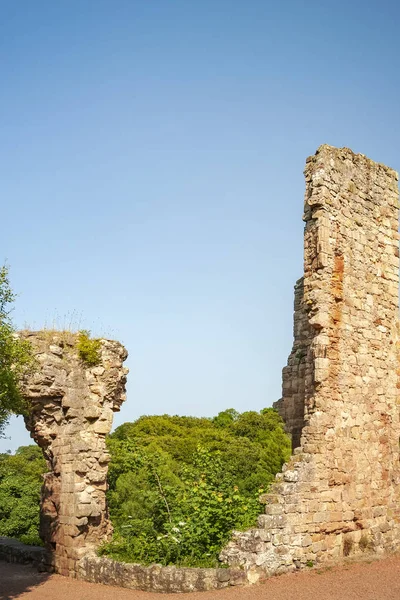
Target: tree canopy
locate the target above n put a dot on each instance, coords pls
(20, 483)
(180, 485)
(16, 357)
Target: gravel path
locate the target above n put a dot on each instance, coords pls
(379, 580)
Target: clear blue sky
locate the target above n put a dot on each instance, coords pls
(151, 162)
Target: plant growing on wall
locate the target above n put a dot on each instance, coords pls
(88, 349)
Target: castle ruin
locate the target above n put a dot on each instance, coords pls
(339, 494)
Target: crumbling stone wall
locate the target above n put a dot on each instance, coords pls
(291, 405)
(71, 411)
(339, 494)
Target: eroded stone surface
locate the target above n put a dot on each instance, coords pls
(297, 371)
(71, 411)
(153, 578)
(339, 494)
(156, 578)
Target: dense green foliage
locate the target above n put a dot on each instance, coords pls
(20, 483)
(16, 357)
(180, 485)
(88, 348)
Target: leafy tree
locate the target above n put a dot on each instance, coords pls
(16, 357)
(20, 484)
(226, 418)
(179, 485)
(253, 445)
(182, 522)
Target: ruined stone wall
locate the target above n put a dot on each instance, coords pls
(339, 494)
(151, 578)
(291, 405)
(71, 411)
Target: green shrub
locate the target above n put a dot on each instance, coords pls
(189, 523)
(16, 357)
(20, 485)
(89, 350)
(180, 485)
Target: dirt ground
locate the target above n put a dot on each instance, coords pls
(379, 580)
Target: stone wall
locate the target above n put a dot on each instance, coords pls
(71, 411)
(339, 494)
(299, 367)
(14, 551)
(156, 578)
(153, 578)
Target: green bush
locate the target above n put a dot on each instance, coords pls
(88, 349)
(187, 523)
(20, 484)
(16, 357)
(180, 485)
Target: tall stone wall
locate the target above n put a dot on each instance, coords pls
(291, 405)
(71, 411)
(339, 494)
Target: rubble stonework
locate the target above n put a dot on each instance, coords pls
(339, 494)
(291, 405)
(152, 578)
(71, 411)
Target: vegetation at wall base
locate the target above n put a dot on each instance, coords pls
(180, 485)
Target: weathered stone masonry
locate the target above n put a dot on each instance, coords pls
(71, 412)
(339, 494)
(291, 405)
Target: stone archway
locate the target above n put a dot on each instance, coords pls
(71, 411)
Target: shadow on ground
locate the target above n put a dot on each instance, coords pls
(15, 580)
